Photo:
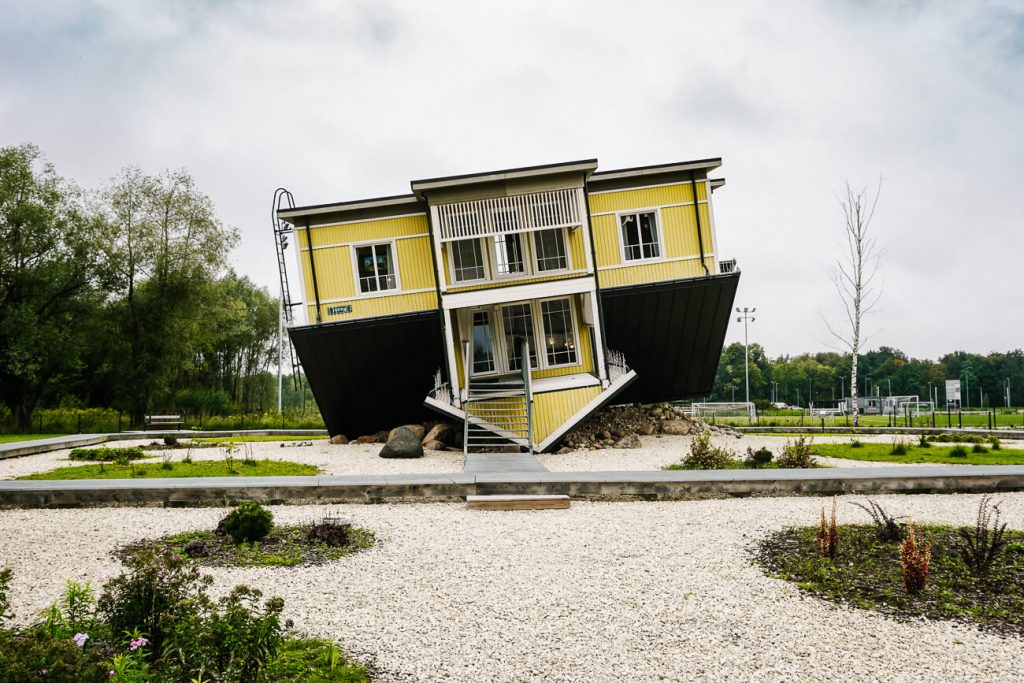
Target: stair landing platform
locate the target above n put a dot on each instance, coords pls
(517, 502)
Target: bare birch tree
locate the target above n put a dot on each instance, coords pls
(854, 278)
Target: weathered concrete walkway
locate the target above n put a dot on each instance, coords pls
(493, 463)
(376, 488)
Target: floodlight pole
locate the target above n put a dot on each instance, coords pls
(1007, 392)
(746, 316)
(280, 348)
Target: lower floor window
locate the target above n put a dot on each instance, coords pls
(518, 320)
(375, 266)
(559, 336)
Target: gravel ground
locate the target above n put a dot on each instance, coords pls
(599, 592)
(657, 452)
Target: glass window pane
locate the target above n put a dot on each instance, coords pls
(559, 336)
(550, 250)
(385, 266)
(518, 321)
(365, 266)
(483, 347)
(468, 259)
(640, 236)
(508, 251)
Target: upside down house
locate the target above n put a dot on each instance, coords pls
(517, 301)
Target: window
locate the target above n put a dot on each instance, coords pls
(508, 255)
(640, 236)
(468, 260)
(375, 268)
(518, 319)
(559, 335)
(550, 248)
(483, 346)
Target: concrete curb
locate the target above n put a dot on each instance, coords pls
(378, 488)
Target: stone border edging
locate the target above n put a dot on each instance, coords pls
(377, 488)
(17, 449)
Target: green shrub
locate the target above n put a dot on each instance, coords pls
(120, 456)
(797, 455)
(996, 444)
(958, 452)
(170, 440)
(978, 448)
(759, 458)
(856, 444)
(248, 522)
(923, 442)
(899, 447)
(705, 456)
(37, 655)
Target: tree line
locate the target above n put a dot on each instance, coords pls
(122, 296)
(824, 378)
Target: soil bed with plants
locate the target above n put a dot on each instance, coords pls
(970, 574)
(202, 468)
(248, 537)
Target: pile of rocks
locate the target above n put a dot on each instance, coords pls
(622, 427)
(409, 441)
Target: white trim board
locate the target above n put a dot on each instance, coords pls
(377, 295)
(644, 187)
(648, 208)
(651, 262)
(383, 239)
(536, 290)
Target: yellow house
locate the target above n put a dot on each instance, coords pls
(516, 301)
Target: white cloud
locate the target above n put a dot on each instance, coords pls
(341, 100)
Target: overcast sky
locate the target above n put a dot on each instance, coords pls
(340, 100)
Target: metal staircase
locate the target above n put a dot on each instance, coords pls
(499, 412)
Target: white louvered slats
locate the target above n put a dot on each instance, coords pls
(517, 213)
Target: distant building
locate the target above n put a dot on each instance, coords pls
(611, 279)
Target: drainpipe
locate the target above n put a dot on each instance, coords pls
(312, 270)
(597, 282)
(438, 274)
(696, 214)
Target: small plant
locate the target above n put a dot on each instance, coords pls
(705, 456)
(855, 443)
(759, 458)
(923, 442)
(828, 534)
(188, 454)
(996, 444)
(797, 454)
(978, 448)
(958, 452)
(899, 447)
(886, 526)
(118, 456)
(228, 450)
(332, 531)
(165, 463)
(247, 523)
(5, 603)
(247, 454)
(982, 545)
(914, 559)
(171, 440)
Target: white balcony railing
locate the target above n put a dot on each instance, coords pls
(517, 213)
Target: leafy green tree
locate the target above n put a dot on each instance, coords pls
(164, 246)
(48, 268)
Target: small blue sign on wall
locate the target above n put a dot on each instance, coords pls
(338, 310)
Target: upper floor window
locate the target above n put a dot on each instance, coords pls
(508, 254)
(550, 249)
(375, 268)
(468, 261)
(640, 238)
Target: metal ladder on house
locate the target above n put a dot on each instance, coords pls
(499, 412)
(282, 231)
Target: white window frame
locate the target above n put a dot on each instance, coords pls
(496, 347)
(360, 294)
(524, 243)
(656, 210)
(484, 255)
(575, 332)
(537, 272)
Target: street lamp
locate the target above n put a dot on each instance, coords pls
(1007, 392)
(746, 316)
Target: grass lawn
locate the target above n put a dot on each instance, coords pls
(285, 546)
(206, 468)
(866, 573)
(11, 438)
(937, 454)
(254, 439)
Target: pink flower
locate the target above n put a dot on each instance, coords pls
(80, 639)
(137, 643)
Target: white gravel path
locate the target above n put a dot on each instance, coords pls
(599, 592)
(656, 453)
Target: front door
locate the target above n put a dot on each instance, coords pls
(484, 362)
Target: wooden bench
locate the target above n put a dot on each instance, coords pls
(163, 422)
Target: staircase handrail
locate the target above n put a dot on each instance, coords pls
(528, 385)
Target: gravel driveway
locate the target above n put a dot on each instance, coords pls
(599, 592)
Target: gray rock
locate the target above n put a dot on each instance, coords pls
(628, 441)
(403, 444)
(339, 440)
(434, 445)
(417, 430)
(676, 427)
(443, 432)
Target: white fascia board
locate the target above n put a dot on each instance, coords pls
(578, 381)
(419, 186)
(708, 164)
(299, 211)
(536, 290)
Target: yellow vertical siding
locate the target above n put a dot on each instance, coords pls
(678, 227)
(376, 306)
(364, 231)
(551, 409)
